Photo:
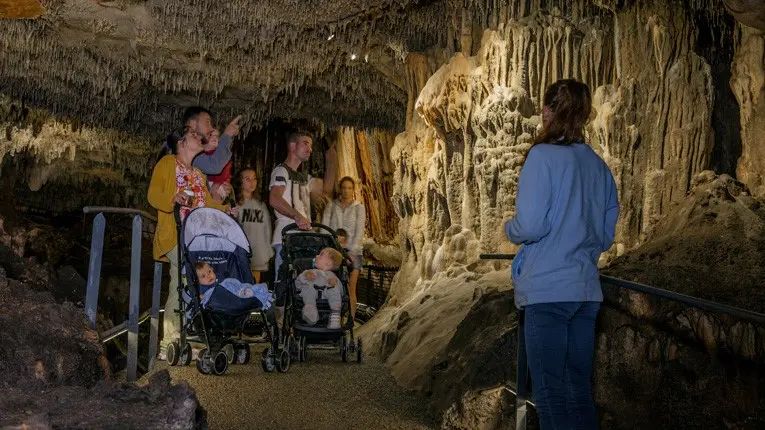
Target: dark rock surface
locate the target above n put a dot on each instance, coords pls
(54, 373)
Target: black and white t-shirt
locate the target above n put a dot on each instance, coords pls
(297, 193)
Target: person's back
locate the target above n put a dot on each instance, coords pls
(572, 234)
(566, 213)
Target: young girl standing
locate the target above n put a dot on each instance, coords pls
(255, 221)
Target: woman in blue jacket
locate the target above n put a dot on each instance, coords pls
(566, 212)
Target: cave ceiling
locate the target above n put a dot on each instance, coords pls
(135, 65)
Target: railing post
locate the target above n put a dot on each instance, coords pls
(94, 269)
(135, 290)
(380, 294)
(522, 375)
(153, 330)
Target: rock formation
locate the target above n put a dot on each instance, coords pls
(55, 374)
(89, 88)
(661, 117)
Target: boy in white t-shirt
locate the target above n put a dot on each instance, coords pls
(291, 193)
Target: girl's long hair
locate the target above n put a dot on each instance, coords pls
(239, 189)
(570, 104)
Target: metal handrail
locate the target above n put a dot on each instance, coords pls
(496, 256)
(94, 276)
(744, 314)
(116, 210)
(121, 328)
(520, 389)
(380, 268)
(750, 316)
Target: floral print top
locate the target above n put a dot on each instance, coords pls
(190, 179)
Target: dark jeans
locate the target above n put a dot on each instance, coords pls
(560, 345)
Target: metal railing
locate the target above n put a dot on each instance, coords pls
(375, 290)
(94, 278)
(522, 390)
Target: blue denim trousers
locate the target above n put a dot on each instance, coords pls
(560, 347)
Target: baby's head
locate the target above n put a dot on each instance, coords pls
(328, 259)
(205, 273)
(342, 237)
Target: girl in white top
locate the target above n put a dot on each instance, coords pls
(255, 221)
(346, 213)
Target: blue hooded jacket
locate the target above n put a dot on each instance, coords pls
(566, 213)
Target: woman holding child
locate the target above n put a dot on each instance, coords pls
(348, 214)
(175, 181)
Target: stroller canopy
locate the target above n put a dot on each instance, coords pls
(208, 229)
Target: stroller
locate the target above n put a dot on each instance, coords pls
(211, 236)
(299, 245)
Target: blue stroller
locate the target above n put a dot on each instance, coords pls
(210, 236)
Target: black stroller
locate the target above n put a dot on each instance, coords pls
(213, 237)
(298, 248)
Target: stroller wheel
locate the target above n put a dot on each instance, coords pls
(230, 353)
(344, 350)
(294, 347)
(241, 354)
(359, 352)
(267, 361)
(302, 349)
(204, 363)
(173, 353)
(283, 361)
(220, 363)
(185, 358)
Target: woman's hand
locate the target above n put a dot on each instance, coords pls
(234, 212)
(221, 190)
(182, 199)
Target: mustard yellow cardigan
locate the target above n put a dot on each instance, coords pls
(162, 189)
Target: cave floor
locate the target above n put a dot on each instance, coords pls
(322, 393)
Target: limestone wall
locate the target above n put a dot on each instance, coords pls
(457, 163)
(656, 88)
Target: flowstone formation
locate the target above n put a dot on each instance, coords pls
(664, 100)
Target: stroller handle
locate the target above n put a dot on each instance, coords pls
(294, 226)
(177, 216)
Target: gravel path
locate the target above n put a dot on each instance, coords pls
(322, 393)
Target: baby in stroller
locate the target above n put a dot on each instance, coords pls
(208, 282)
(212, 245)
(317, 281)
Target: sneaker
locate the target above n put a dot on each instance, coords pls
(162, 356)
(334, 321)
